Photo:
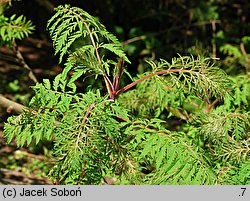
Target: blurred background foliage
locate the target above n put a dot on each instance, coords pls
(219, 29)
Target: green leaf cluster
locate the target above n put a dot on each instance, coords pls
(13, 27)
(72, 23)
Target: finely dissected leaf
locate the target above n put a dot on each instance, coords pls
(220, 123)
(47, 83)
(121, 112)
(74, 77)
(56, 82)
(160, 156)
(148, 148)
(231, 50)
(110, 37)
(26, 131)
(39, 135)
(243, 175)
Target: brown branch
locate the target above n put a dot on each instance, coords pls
(14, 177)
(207, 96)
(87, 112)
(61, 180)
(38, 42)
(8, 58)
(113, 142)
(242, 48)
(11, 105)
(24, 64)
(120, 117)
(177, 112)
(207, 100)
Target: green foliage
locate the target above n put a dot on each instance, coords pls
(235, 53)
(173, 160)
(240, 97)
(219, 123)
(236, 175)
(83, 128)
(126, 133)
(242, 175)
(72, 23)
(13, 27)
(227, 134)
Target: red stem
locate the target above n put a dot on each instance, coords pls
(148, 76)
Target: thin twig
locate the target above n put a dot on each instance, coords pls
(39, 157)
(207, 100)
(213, 23)
(113, 142)
(131, 40)
(177, 112)
(87, 112)
(206, 23)
(195, 104)
(167, 30)
(24, 64)
(243, 50)
(222, 171)
(83, 121)
(82, 173)
(8, 58)
(212, 104)
(38, 42)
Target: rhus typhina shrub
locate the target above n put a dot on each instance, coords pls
(184, 122)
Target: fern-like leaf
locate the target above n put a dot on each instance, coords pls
(71, 23)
